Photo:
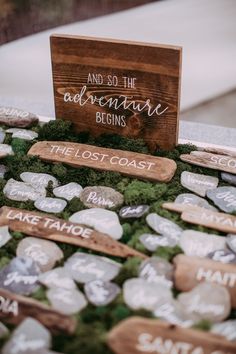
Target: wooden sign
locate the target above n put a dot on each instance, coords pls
(190, 271)
(51, 228)
(138, 335)
(221, 151)
(206, 159)
(180, 208)
(15, 308)
(213, 220)
(128, 163)
(121, 87)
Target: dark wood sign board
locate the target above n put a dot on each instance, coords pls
(123, 87)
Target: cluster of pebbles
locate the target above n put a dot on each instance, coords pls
(85, 278)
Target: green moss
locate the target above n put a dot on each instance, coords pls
(115, 141)
(55, 130)
(203, 325)
(40, 295)
(138, 192)
(17, 164)
(168, 252)
(20, 146)
(128, 270)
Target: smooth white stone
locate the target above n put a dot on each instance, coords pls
(101, 293)
(21, 191)
(140, 294)
(84, 267)
(226, 329)
(39, 179)
(157, 270)
(192, 199)
(164, 226)
(5, 236)
(207, 301)
(200, 244)
(198, 183)
(6, 149)
(43, 252)
(66, 301)
(102, 220)
(68, 191)
(24, 134)
(29, 337)
(50, 205)
(57, 278)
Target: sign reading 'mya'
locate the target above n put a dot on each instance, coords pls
(111, 86)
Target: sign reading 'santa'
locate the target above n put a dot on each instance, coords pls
(111, 86)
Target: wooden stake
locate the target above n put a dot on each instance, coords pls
(51, 228)
(126, 162)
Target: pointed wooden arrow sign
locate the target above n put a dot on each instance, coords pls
(216, 162)
(214, 220)
(138, 335)
(15, 308)
(190, 271)
(45, 226)
(129, 163)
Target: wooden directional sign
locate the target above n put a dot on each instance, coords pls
(15, 308)
(190, 271)
(111, 86)
(51, 228)
(215, 161)
(138, 335)
(213, 220)
(128, 163)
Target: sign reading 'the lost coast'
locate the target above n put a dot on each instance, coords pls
(110, 86)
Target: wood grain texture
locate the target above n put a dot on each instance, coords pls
(138, 335)
(26, 307)
(180, 208)
(126, 162)
(51, 228)
(215, 161)
(156, 69)
(213, 220)
(190, 271)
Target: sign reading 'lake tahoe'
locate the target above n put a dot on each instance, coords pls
(110, 86)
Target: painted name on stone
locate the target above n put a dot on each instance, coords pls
(8, 306)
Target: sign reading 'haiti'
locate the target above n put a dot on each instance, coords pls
(111, 86)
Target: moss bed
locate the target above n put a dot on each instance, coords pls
(95, 322)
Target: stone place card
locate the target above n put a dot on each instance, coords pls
(15, 117)
(190, 271)
(128, 163)
(133, 92)
(200, 303)
(198, 183)
(29, 336)
(51, 228)
(224, 198)
(138, 335)
(214, 161)
(15, 308)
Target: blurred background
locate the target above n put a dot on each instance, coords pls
(206, 29)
